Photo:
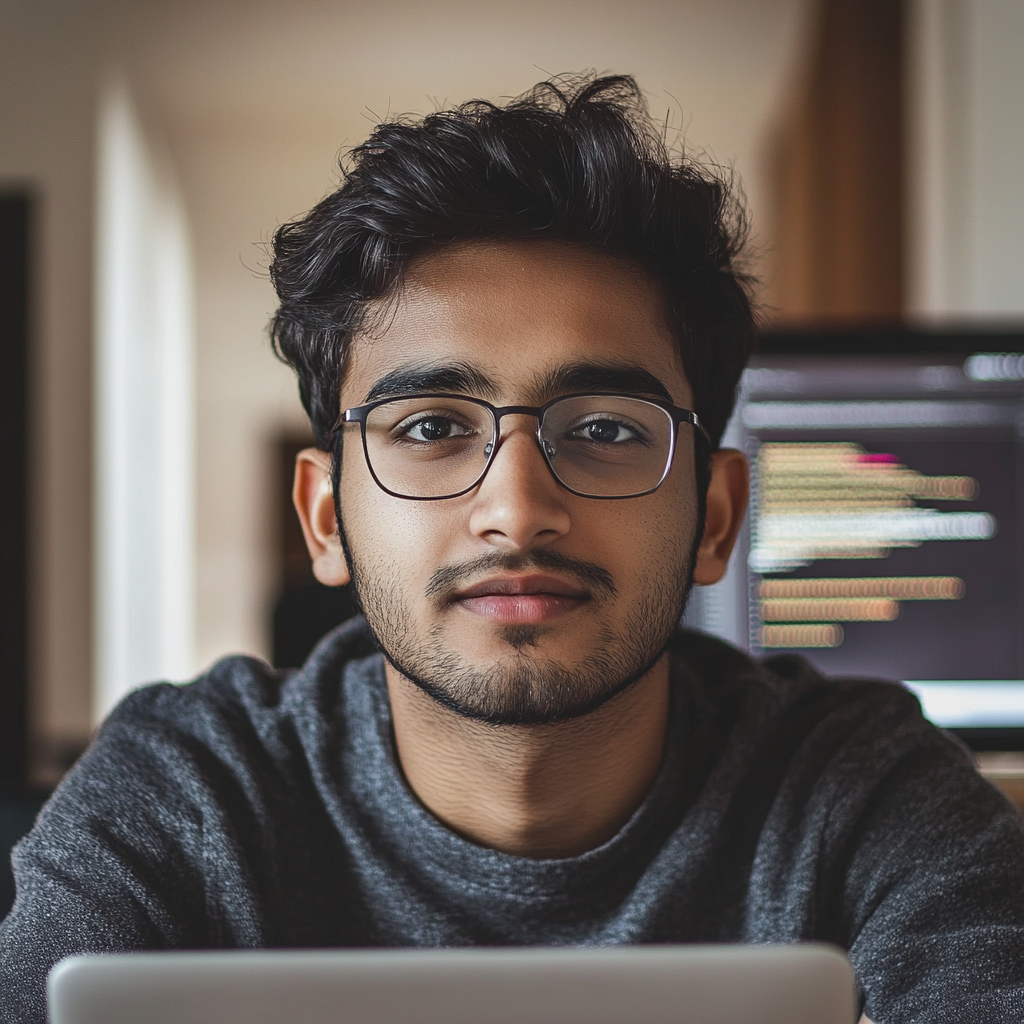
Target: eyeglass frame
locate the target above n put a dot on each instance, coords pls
(359, 413)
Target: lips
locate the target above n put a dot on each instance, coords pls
(521, 600)
(533, 584)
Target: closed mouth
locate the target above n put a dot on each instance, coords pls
(517, 586)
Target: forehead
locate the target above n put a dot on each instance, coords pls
(516, 315)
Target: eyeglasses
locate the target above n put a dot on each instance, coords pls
(429, 447)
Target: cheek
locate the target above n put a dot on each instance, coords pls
(637, 539)
(656, 532)
(392, 537)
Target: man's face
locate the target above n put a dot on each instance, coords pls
(519, 602)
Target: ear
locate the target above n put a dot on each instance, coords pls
(728, 490)
(314, 501)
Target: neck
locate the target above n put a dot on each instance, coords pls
(534, 791)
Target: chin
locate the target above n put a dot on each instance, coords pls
(499, 642)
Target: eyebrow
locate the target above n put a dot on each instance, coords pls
(573, 378)
(579, 378)
(454, 378)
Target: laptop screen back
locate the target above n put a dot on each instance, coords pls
(810, 984)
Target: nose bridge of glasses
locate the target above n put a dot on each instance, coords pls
(524, 418)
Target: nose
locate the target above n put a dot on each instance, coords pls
(518, 504)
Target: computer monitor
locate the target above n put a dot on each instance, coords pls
(886, 529)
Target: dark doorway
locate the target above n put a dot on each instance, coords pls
(15, 225)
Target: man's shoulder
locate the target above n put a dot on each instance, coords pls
(719, 664)
(786, 696)
(173, 753)
(240, 714)
(805, 742)
(247, 686)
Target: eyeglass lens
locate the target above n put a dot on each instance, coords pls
(596, 445)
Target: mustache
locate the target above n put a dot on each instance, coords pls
(592, 577)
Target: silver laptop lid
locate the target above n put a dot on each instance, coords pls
(805, 984)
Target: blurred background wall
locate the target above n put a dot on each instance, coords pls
(878, 144)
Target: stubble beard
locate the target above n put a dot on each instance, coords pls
(524, 687)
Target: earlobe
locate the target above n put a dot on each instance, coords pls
(728, 491)
(313, 497)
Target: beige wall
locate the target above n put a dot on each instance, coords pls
(965, 148)
(237, 189)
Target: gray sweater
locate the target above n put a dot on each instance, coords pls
(251, 809)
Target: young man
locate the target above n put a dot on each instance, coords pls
(518, 332)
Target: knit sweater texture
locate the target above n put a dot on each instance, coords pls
(254, 809)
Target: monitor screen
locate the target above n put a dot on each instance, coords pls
(886, 530)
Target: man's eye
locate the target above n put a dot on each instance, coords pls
(605, 432)
(433, 428)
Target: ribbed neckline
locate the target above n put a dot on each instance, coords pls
(417, 835)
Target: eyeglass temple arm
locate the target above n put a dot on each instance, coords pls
(686, 416)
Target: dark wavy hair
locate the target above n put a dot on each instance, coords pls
(576, 159)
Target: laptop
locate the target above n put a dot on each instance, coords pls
(799, 984)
